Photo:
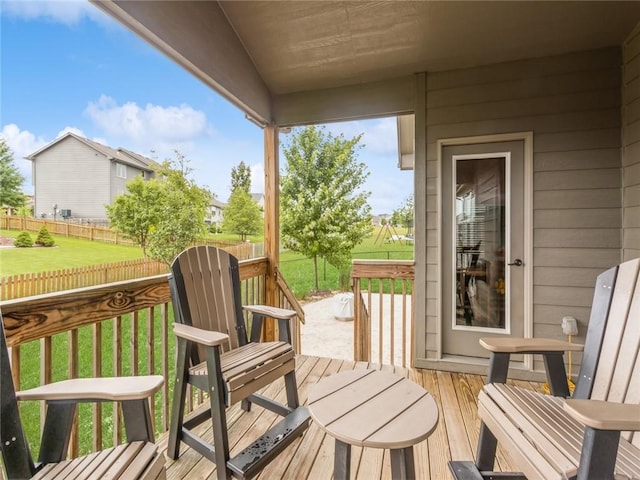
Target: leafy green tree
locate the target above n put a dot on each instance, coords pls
(242, 215)
(183, 209)
(403, 215)
(136, 213)
(241, 177)
(324, 211)
(10, 179)
(164, 214)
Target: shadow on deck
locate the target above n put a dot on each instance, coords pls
(311, 456)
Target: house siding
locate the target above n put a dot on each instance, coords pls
(572, 105)
(72, 175)
(631, 147)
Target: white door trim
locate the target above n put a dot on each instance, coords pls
(527, 139)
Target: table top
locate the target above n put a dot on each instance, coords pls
(370, 408)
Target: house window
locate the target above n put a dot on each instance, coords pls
(121, 170)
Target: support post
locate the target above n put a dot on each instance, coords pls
(271, 222)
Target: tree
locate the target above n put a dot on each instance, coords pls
(242, 215)
(164, 214)
(183, 208)
(324, 211)
(10, 179)
(137, 212)
(403, 215)
(44, 238)
(241, 177)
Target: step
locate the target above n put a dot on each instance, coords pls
(256, 456)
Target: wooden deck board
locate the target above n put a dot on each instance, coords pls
(311, 456)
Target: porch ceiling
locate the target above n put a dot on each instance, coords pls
(299, 61)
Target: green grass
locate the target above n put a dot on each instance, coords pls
(67, 253)
(298, 270)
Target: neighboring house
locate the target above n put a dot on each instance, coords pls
(379, 220)
(215, 216)
(523, 133)
(79, 177)
(259, 199)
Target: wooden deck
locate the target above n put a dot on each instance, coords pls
(311, 456)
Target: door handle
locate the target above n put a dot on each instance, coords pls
(517, 263)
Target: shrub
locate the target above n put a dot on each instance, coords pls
(23, 240)
(44, 238)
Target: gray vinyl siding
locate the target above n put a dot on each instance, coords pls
(631, 151)
(74, 176)
(572, 105)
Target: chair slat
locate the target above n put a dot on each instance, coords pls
(616, 323)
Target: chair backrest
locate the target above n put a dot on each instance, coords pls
(610, 367)
(205, 290)
(14, 449)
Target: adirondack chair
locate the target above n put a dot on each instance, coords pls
(215, 355)
(595, 434)
(138, 459)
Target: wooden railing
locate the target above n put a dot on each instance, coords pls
(383, 311)
(120, 328)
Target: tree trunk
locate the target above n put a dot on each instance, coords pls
(315, 271)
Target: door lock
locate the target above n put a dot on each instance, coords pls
(517, 262)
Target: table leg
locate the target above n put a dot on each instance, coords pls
(402, 465)
(342, 461)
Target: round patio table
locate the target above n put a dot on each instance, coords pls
(370, 408)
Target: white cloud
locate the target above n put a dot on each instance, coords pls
(151, 127)
(74, 130)
(22, 143)
(380, 136)
(68, 12)
(257, 178)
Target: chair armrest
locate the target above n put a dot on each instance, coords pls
(208, 338)
(272, 312)
(605, 415)
(528, 345)
(99, 389)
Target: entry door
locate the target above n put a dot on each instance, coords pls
(483, 245)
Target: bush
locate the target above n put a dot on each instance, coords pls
(23, 240)
(44, 238)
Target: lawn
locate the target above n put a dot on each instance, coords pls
(67, 253)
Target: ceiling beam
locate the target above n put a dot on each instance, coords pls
(368, 100)
(198, 36)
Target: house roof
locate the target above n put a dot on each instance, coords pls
(120, 155)
(316, 61)
(217, 203)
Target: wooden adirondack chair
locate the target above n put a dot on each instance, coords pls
(138, 459)
(214, 355)
(594, 435)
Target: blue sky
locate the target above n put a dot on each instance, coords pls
(66, 66)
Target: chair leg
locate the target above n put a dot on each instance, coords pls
(57, 431)
(487, 445)
(291, 386)
(179, 398)
(599, 453)
(137, 420)
(218, 413)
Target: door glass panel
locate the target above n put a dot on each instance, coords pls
(480, 233)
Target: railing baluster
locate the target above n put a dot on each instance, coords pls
(45, 371)
(151, 360)
(96, 371)
(73, 367)
(117, 372)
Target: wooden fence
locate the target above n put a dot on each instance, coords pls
(102, 234)
(29, 284)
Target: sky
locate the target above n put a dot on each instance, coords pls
(66, 66)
